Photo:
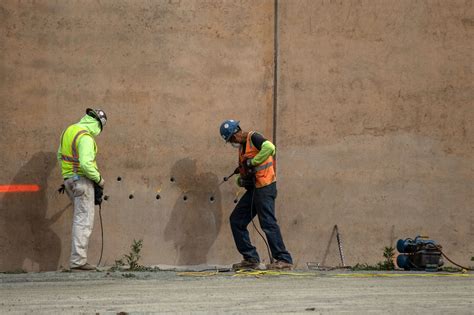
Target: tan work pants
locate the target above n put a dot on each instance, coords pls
(81, 193)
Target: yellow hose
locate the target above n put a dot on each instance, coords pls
(257, 273)
(198, 273)
(383, 275)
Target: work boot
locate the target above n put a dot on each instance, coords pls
(280, 265)
(246, 264)
(85, 267)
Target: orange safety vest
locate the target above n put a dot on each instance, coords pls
(265, 172)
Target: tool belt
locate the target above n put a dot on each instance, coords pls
(98, 191)
(62, 188)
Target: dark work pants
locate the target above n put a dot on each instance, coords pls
(264, 207)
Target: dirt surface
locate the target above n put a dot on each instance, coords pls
(298, 292)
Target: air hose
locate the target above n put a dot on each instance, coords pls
(101, 234)
(98, 194)
(445, 256)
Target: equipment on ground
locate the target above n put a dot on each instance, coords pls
(321, 266)
(228, 128)
(98, 114)
(339, 245)
(420, 253)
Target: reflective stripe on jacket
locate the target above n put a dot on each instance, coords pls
(265, 172)
(70, 164)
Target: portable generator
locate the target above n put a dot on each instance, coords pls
(420, 253)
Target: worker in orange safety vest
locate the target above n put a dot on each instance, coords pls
(257, 174)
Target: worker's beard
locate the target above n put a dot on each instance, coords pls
(235, 145)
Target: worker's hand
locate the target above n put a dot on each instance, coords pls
(248, 166)
(101, 183)
(248, 163)
(238, 181)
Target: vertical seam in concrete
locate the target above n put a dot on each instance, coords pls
(275, 70)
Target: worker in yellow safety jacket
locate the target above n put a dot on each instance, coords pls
(77, 156)
(257, 174)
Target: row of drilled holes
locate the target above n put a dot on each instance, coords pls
(120, 179)
(185, 198)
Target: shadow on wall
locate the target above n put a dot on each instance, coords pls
(26, 239)
(196, 219)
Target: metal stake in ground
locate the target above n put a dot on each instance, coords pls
(339, 244)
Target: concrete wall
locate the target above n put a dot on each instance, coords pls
(375, 127)
(374, 123)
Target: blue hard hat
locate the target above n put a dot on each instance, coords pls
(228, 128)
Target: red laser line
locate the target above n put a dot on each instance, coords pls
(18, 188)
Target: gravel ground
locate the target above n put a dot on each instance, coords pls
(298, 292)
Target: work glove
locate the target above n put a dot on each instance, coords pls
(240, 182)
(101, 183)
(98, 193)
(247, 164)
(62, 189)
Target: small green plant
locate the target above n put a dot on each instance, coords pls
(387, 264)
(389, 255)
(134, 255)
(131, 259)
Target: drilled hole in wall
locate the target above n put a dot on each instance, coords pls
(212, 199)
(119, 178)
(130, 196)
(172, 179)
(106, 197)
(235, 200)
(185, 198)
(158, 196)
